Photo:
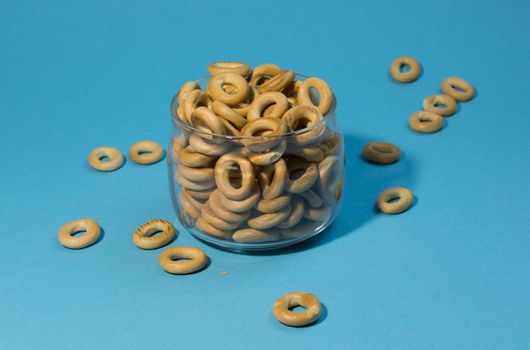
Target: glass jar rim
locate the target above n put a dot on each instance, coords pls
(175, 118)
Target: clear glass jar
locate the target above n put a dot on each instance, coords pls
(291, 191)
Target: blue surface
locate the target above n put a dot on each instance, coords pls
(451, 273)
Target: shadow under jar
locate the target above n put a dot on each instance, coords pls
(261, 192)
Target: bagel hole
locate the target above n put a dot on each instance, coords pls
(300, 123)
(404, 68)
(382, 149)
(234, 175)
(153, 232)
(394, 199)
(229, 89)
(314, 96)
(425, 120)
(144, 152)
(78, 233)
(457, 88)
(440, 105)
(179, 258)
(104, 158)
(297, 308)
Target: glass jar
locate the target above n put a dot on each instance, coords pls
(260, 192)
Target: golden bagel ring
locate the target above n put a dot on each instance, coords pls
(297, 212)
(266, 100)
(330, 173)
(265, 127)
(202, 225)
(260, 73)
(195, 99)
(220, 211)
(267, 158)
(272, 179)
(238, 68)
(189, 157)
(184, 91)
(277, 82)
(404, 200)
(326, 95)
(196, 174)
(381, 152)
(193, 185)
(197, 203)
(405, 77)
(205, 146)
(282, 309)
(265, 221)
(115, 159)
(188, 208)
(243, 107)
(268, 206)
(227, 113)
(303, 117)
(216, 91)
(172, 260)
(250, 235)
(312, 198)
(310, 153)
(306, 180)
(432, 103)
(242, 205)
(458, 88)
(205, 120)
(221, 224)
(199, 195)
(146, 152)
(317, 214)
(222, 169)
(144, 239)
(67, 231)
(331, 145)
(426, 122)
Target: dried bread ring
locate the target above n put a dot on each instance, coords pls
(426, 122)
(308, 175)
(265, 221)
(146, 152)
(304, 95)
(228, 163)
(272, 179)
(381, 152)
(105, 159)
(275, 100)
(443, 105)
(226, 112)
(182, 260)
(250, 235)
(385, 201)
(307, 121)
(67, 231)
(408, 76)
(143, 236)
(282, 309)
(277, 82)
(243, 205)
(216, 89)
(239, 68)
(458, 88)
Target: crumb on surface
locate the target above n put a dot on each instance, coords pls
(223, 273)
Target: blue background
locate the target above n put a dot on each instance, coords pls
(451, 273)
